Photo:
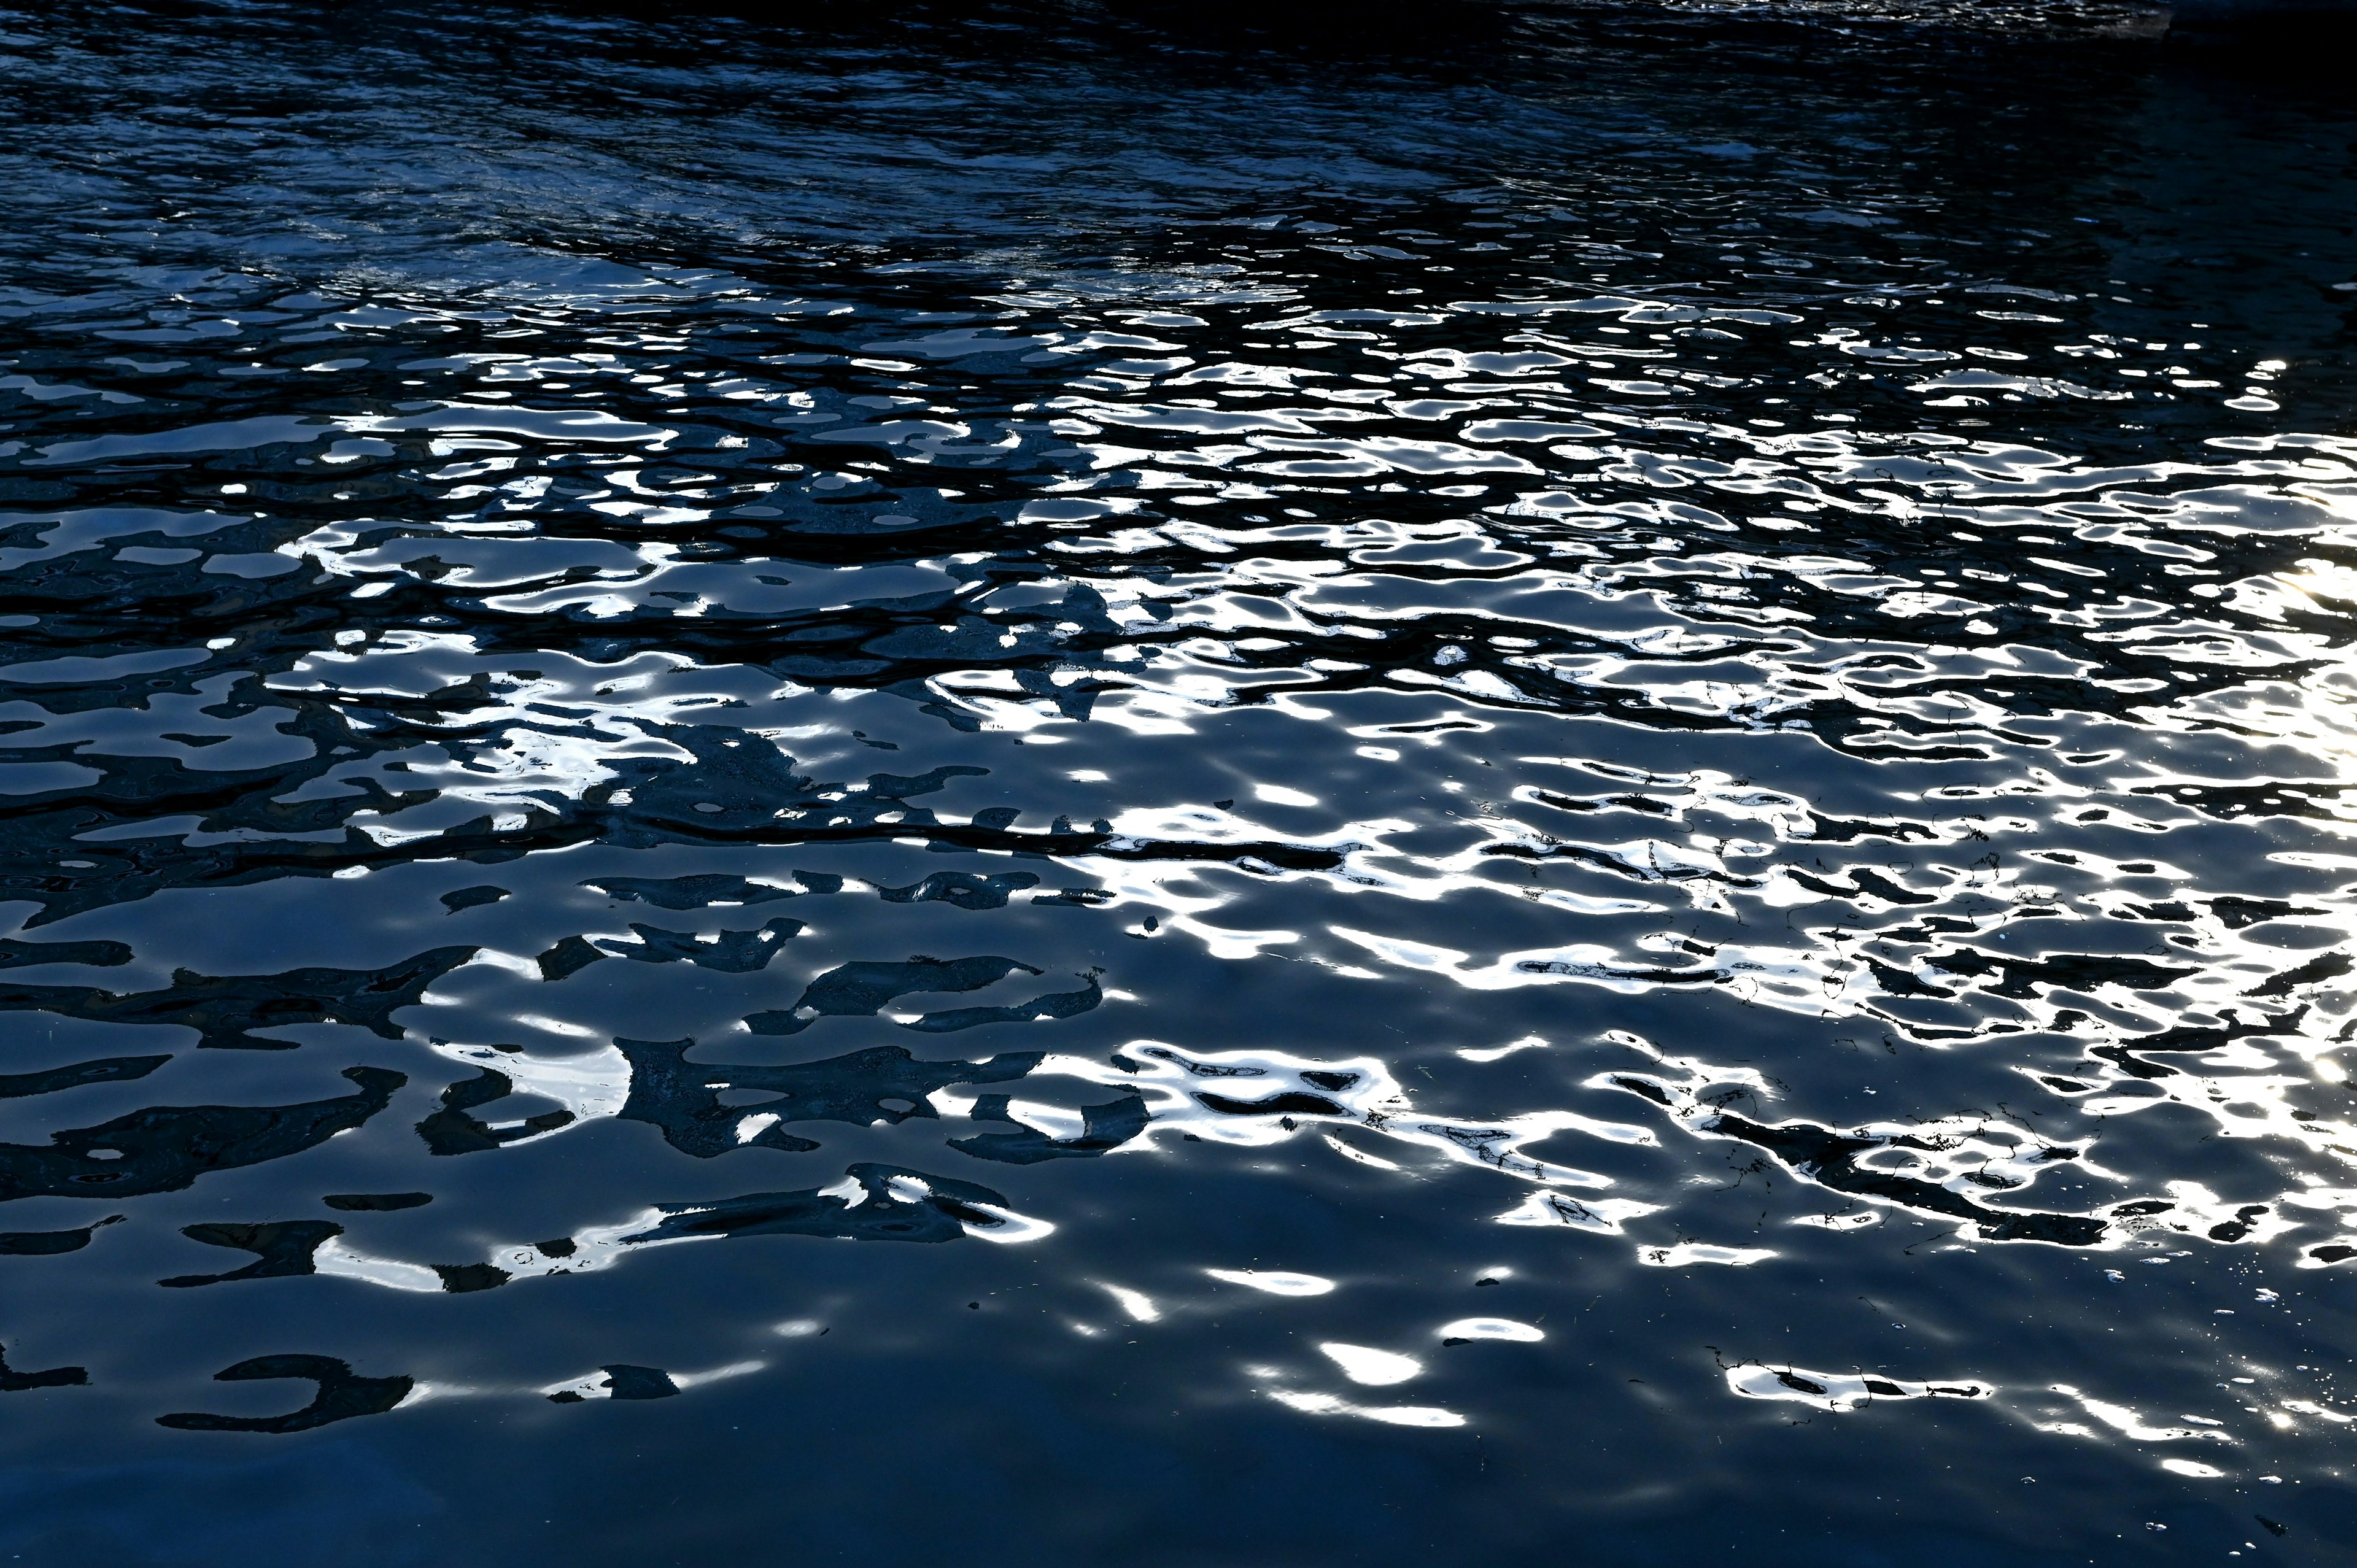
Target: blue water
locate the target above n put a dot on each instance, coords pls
(1050, 785)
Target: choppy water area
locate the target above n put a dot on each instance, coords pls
(1020, 785)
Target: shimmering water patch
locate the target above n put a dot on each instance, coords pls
(1577, 786)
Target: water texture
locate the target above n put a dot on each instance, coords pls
(1012, 785)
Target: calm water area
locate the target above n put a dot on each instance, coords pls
(1016, 785)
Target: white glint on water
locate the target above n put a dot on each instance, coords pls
(1504, 1328)
(1691, 1253)
(1499, 1053)
(1389, 1415)
(1138, 1304)
(1274, 1281)
(1364, 1364)
(1840, 1391)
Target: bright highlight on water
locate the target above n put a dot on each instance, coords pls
(1023, 785)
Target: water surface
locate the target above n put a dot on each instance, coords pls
(1001, 785)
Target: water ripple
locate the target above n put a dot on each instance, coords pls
(1589, 688)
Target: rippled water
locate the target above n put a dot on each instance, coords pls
(1575, 790)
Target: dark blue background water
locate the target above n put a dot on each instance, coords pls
(916, 786)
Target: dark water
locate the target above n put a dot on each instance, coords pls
(901, 786)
